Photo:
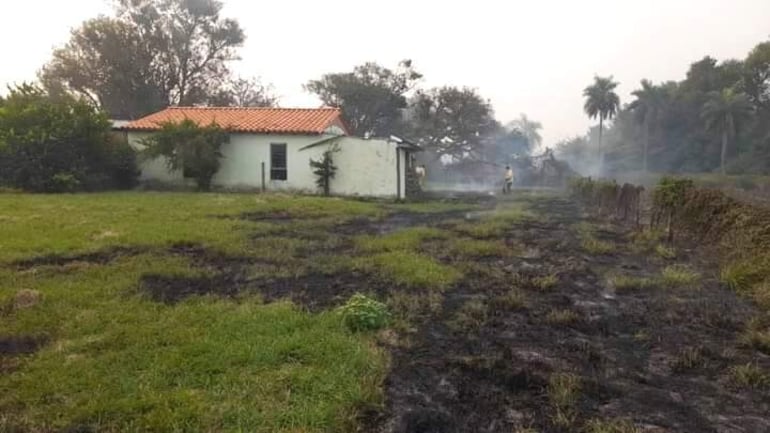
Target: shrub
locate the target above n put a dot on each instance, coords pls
(361, 313)
(324, 169)
(59, 145)
(190, 148)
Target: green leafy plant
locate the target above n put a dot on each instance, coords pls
(190, 148)
(324, 169)
(361, 313)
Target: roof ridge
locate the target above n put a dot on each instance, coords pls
(252, 108)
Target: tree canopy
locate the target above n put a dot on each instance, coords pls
(152, 54)
(371, 97)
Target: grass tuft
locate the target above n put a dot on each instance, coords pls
(611, 426)
(410, 270)
(479, 248)
(757, 335)
(679, 276)
(596, 246)
(624, 282)
(563, 317)
(690, 358)
(513, 299)
(749, 376)
(471, 315)
(545, 282)
(563, 393)
(664, 252)
(407, 240)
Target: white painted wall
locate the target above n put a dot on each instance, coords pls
(365, 167)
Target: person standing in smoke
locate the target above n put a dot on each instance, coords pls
(421, 173)
(508, 183)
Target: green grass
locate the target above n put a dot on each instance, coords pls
(471, 315)
(664, 252)
(411, 270)
(432, 207)
(36, 224)
(545, 282)
(406, 239)
(757, 335)
(624, 282)
(563, 393)
(562, 317)
(596, 246)
(512, 299)
(117, 361)
(679, 276)
(479, 248)
(750, 376)
(611, 426)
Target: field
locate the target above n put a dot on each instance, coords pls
(219, 312)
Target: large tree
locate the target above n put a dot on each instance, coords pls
(371, 97)
(757, 75)
(648, 103)
(452, 121)
(602, 102)
(244, 92)
(529, 128)
(723, 114)
(152, 54)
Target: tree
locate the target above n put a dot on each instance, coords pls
(325, 169)
(244, 92)
(646, 106)
(371, 97)
(529, 128)
(601, 102)
(153, 54)
(757, 75)
(451, 121)
(187, 147)
(723, 112)
(59, 144)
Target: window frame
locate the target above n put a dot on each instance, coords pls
(277, 172)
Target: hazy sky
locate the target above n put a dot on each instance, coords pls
(531, 56)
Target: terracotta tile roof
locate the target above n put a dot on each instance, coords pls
(253, 120)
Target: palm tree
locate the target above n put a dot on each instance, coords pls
(723, 112)
(602, 102)
(646, 106)
(529, 128)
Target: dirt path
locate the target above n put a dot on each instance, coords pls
(657, 357)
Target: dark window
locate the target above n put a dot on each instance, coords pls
(278, 161)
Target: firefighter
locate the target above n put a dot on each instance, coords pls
(508, 182)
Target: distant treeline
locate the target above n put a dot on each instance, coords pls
(719, 113)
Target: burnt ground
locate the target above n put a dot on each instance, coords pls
(659, 357)
(628, 349)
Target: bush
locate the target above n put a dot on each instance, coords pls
(59, 145)
(361, 313)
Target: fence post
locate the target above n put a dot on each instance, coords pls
(263, 176)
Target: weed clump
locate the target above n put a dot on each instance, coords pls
(361, 313)
(471, 315)
(562, 317)
(611, 426)
(689, 359)
(679, 276)
(513, 299)
(749, 376)
(546, 282)
(563, 392)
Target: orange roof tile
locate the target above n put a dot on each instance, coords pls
(252, 120)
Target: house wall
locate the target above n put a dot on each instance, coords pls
(365, 167)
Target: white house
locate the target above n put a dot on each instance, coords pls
(271, 148)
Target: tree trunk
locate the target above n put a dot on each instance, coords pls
(646, 144)
(601, 148)
(724, 151)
